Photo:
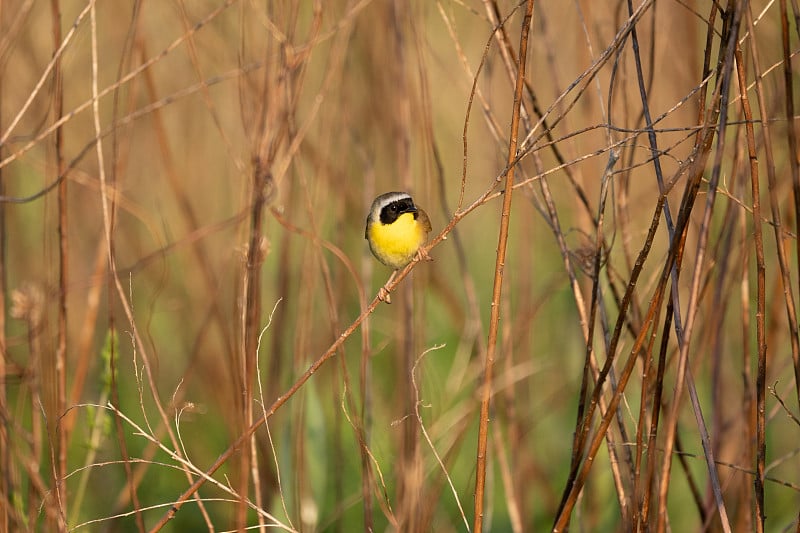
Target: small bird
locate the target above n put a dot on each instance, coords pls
(396, 230)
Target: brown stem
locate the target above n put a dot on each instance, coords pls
(60, 467)
(494, 319)
(761, 446)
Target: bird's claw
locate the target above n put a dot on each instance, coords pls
(422, 255)
(384, 296)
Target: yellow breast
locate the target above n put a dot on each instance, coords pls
(395, 244)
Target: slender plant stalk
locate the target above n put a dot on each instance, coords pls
(252, 315)
(761, 376)
(792, 153)
(60, 469)
(777, 224)
(500, 261)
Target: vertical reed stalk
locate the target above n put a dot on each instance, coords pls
(500, 263)
(60, 434)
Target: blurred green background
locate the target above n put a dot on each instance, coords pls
(242, 144)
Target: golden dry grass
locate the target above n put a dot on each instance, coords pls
(183, 192)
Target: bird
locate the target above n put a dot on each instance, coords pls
(396, 231)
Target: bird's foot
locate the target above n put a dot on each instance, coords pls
(422, 255)
(384, 296)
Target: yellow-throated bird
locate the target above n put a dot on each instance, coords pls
(396, 229)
